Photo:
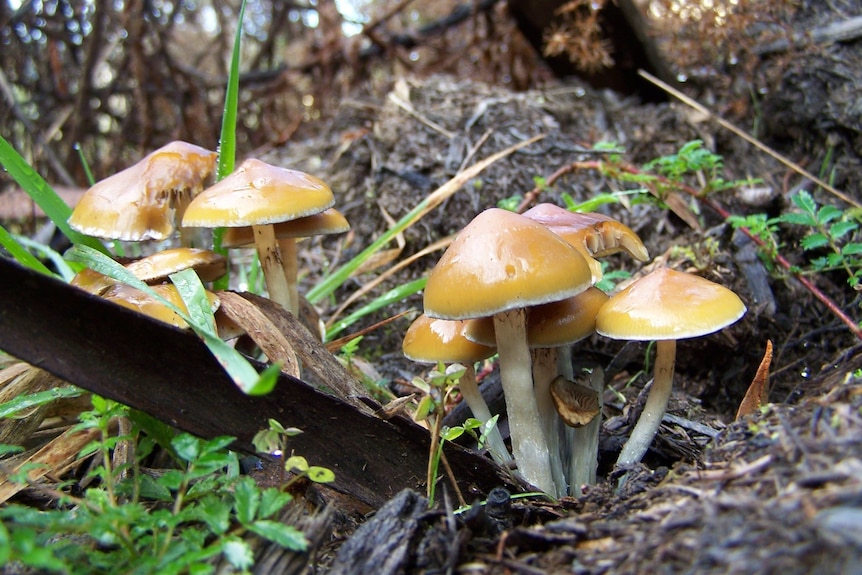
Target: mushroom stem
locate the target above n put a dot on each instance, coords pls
(584, 441)
(529, 447)
(271, 262)
(544, 372)
(291, 272)
(473, 396)
(656, 404)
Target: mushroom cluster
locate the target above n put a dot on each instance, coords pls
(524, 285)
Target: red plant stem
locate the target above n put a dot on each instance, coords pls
(716, 207)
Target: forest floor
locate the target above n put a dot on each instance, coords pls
(777, 492)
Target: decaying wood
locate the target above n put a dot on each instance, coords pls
(383, 545)
(170, 374)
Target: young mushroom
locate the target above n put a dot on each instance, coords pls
(260, 195)
(500, 264)
(664, 306)
(430, 340)
(146, 200)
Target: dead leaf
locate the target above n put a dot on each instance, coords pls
(758, 392)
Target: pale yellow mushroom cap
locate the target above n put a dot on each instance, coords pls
(258, 193)
(134, 299)
(502, 261)
(138, 203)
(432, 340)
(667, 304)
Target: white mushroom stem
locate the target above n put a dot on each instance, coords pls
(655, 407)
(291, 272)
(529, 447)
(271, 261)
(544, 372)
(473, 396)
(584, 441)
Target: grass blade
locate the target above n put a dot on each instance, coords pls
(43, 194)
(393, 295)
(18, 252)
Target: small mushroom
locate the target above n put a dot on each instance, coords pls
(440, 340)
(147, 199)
(134, 299)
(664, 306)
(259, 195)
(500, 264)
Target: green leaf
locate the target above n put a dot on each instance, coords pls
(814, 241)
(246, 500)
(804, 202)
(799, 219)
(451, 433)
(287, 536)
(296, 462)
(215, 512)
(43, 194)
(852, 249)
(320, 474)
(840, 229)
(149, 488)
(187, 446)
(272, 501)
(238, 553)
(828, 213)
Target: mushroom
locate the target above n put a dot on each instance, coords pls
(594, 235)
(552, 329)
(259, 195)
(144, 201)
(134, 299)
(498, 265)
(664, 306)
(327, 222)
(157, 267)
(434, 340)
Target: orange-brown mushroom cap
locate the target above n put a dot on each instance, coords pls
(502, 261)
(431, 340)
(667, 304)
(140, 202)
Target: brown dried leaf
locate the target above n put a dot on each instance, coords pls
(758, 392)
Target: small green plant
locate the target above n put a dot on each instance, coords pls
(273, 441)
(831, 236)
(180, 521)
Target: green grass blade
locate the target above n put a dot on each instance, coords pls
(22, 402)
(393, 295)
(62, 266)
(227, 138)
(43, 194)
(18, 252)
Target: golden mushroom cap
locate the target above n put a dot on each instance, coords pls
(327, 222)
(258, 193)
(502, 261)
(667, 304)
(431, 340)
(207, 264)
(138, 203)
